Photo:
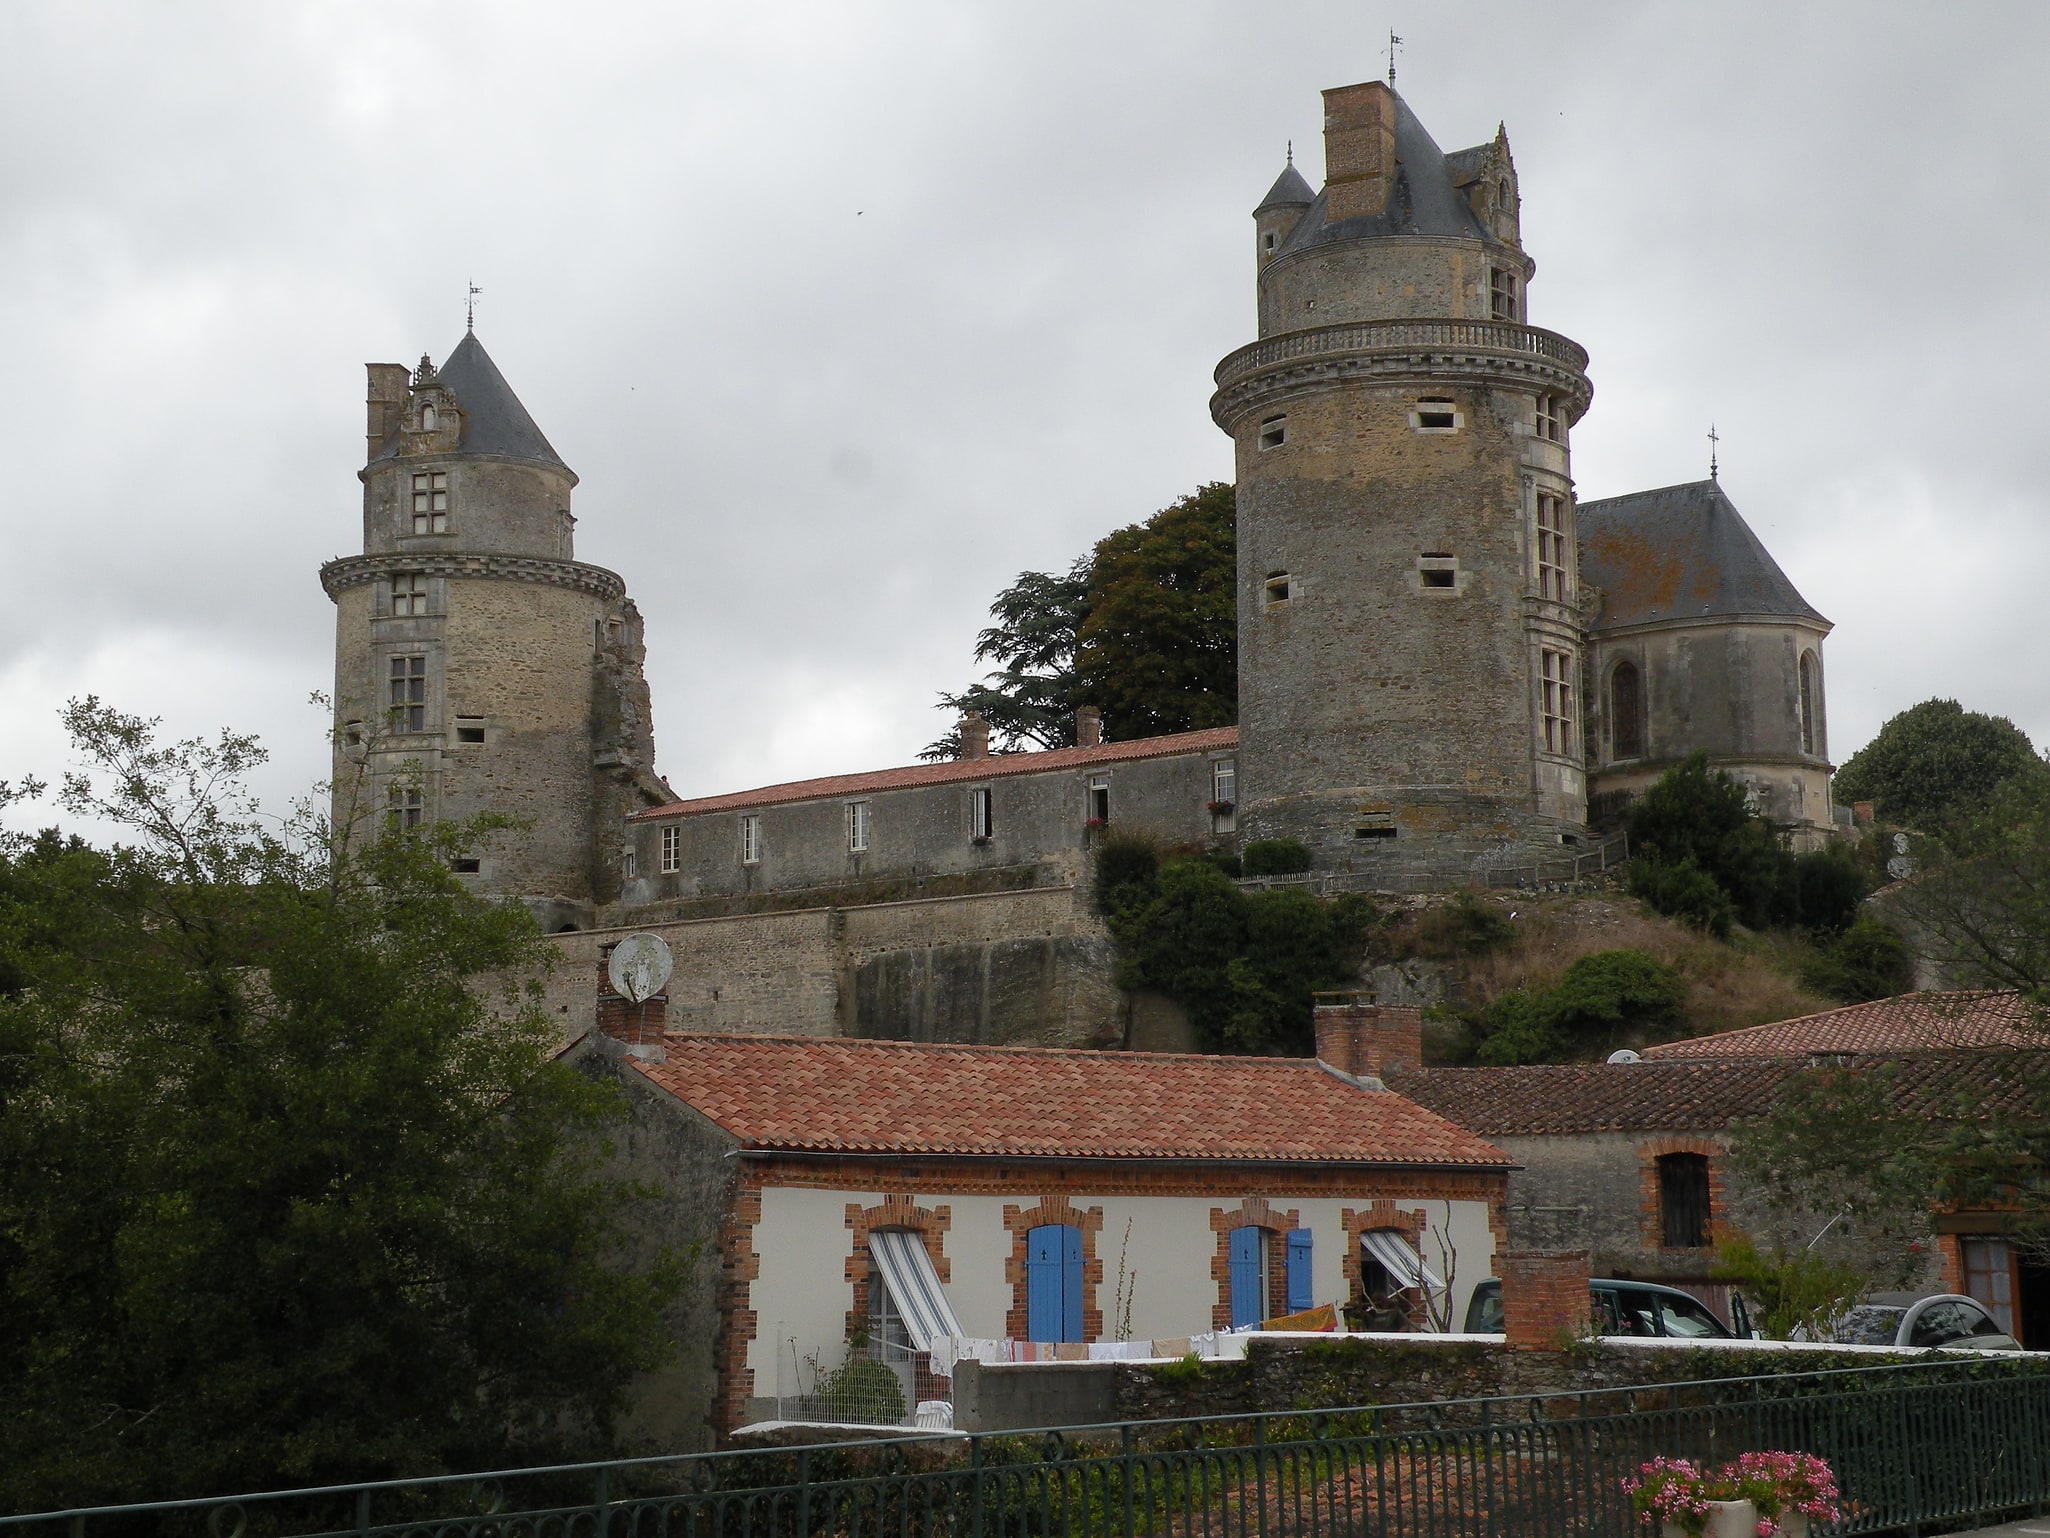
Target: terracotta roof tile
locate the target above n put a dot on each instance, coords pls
(1911, 1022)
(1704, 1094)
(996, 766)
(835, 1095)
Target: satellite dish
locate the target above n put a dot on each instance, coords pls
(641, 964)
(1624, 1055)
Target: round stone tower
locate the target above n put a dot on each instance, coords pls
(1410, 635)
(479, 667)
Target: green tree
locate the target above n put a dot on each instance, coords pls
(1700, 815)
(1585, 1014)
(1869, 960)
(1145, 628)
(1980, 908)
(1936, 758)
(1158, 651)
(292, 1186)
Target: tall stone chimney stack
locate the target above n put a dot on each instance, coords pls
(1359, 150)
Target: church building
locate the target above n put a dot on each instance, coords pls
(1450, 668)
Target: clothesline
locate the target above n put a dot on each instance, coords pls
(1210, 1345)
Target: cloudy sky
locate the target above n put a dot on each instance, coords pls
(848, 312)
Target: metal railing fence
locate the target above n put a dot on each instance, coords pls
(1916, 1448)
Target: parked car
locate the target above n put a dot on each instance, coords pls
(1921, 1319)
(1621, 1307)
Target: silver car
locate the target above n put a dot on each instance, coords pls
(1921, 1319)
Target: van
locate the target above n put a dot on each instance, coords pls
(1620, 1307)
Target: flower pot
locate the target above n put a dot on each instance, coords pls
(1739, 1519)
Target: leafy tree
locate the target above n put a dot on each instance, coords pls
(292, 1186)
(1145, 628)
(1695, 813)
(1793, 1289)
(1158, 651)
(1869, 960)
(1936, 758)
(1584, 1014)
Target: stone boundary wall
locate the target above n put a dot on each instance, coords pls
(1020, 966)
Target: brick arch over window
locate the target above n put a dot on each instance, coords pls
(1380, 1213)
(1650, 1199)
(1019, 1223)
(1253, 1212)
(929, 1223)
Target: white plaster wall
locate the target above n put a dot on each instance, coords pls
(803, 1243)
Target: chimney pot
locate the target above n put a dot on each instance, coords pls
(1088, 727)
(1367, 1041)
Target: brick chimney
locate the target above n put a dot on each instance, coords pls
(974, 736)
(386, 403)
(641, 1026)
(1088, 727)
(1544, 1298)
(1368, 1041)
(1861, 811)
(1359, 150)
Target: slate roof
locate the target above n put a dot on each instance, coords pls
(834, 1095)
(1680, 552)
(1423, 201)
(1908, 1023)
(1289, 191)
(1704, 1094)
(494, 421)
(996, 766)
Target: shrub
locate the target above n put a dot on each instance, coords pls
(1791, 1288)
(1274, 857)
(1127, 870)
(1824, 890)
(1867, 961)
(1698, 814)
(1684, 891)
(1600, 996)
(1463, 927)
(863, 1389)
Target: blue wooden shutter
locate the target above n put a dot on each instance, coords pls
(1071, 1283)
(1043, 1282)
(1245, 1277)
(1300, 1296)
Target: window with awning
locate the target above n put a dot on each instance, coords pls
(1399, 1258)
(906, 1270)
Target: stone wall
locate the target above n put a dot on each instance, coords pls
(1030, 966)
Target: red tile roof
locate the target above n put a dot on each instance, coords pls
(1911, 1022)
(835, 1095)
(996, 766)
(1708, 1094)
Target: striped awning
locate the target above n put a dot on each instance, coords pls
(1399, 1258)
(914, 1287)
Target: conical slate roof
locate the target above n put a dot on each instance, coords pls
(494, 421)
(1289, 191)
(1423, 201)
(1681, 552)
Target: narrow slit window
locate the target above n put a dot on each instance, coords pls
(1808, 733)
(1278, 588)
(1626, 712)
(1554, 555)
(1273, 432)
(857, 827)
(672, 849)
(981, 814)
(751, 839)
(1557, 703)
(408, 702)
(430, 502)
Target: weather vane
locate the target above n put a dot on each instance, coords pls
(470, 309)
(1394, 43)
(1713, 440)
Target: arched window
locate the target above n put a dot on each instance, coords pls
(427, 418)
(1809, 735)
(1626, 712)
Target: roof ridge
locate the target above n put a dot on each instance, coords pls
(1097, 1054)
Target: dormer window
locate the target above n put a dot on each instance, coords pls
(430, 502)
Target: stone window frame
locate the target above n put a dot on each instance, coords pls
(1552, 546)
(432, 501)
(860, 825)
(1417, 413)
(1273, 432)
(1650, 1199)
(1808, 687)
(1224, 793)
(1279, 589)
(1252, 1212)
(1505, 296)
(750, 838)
(406, 595)
(414, 712)
(1551, 418)
(1558, 722)
(1639, 748)
(1019, 1221)
(1439, 564)
(405, 805)
(1383, 1214)
(670, 838)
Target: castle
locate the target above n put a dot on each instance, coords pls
(1445, 659)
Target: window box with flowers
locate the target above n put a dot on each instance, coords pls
(980, 841)
(1222, 808)
(1095, 823)
(1759, 1495)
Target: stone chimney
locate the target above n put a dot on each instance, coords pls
(1359, 150)
(1088, 727)
(1544, 1298)
(1862, 812)
(974, 736)
(1367, 1041)
(386, 403)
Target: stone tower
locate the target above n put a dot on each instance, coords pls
(478, 665)
(1410, 636)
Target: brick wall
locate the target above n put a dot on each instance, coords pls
(1544, 1298)
(1369, 1040)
